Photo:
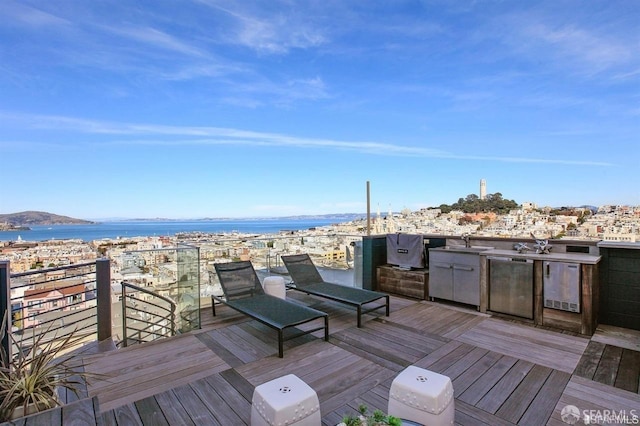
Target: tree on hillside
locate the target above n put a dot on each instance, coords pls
(473, 204)
(445, 208)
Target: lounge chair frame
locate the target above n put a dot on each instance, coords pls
(307, 279)
(243, 292)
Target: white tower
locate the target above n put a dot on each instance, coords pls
(377, 226)
(483, 189)
(391, 225)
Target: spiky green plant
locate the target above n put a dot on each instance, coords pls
(378, 418)
(31, 377)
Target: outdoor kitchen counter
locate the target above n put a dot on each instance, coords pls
(583, 258)
(583, 322)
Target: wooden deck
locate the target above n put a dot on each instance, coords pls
(503, 372)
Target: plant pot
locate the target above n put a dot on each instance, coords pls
(32, 408)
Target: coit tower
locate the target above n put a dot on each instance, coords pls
(483, 189)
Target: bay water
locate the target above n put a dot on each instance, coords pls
(146, 228)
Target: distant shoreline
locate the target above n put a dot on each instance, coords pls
(131, 229)
(15, 228)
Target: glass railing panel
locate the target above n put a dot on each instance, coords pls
(338, 257)
(171, 273)
(188, 296)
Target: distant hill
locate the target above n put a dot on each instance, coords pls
(39, 218)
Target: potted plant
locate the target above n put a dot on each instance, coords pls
(29, 379)
(377, 418)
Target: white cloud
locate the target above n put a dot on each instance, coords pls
(17, 12)
(573, 43)
(156, 38)
(268, 32)
(193, 135)
(581, 45)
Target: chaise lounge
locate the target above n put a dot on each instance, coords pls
(243, 292)
(307, 279)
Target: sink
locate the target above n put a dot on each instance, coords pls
(463, 249)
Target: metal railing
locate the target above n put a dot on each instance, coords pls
(146, 316)
(56, 302)
(164, 276)
(79, 299)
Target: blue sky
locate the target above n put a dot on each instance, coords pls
(187, 109)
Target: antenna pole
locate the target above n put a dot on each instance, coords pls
(368, 210)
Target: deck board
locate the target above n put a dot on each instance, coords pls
(438, 320)
(211, 341)
(247, 350)
(487, 380)
(553, 350)
(612, 365)
(464, 363)
(628, 376)
(589, 395)
(590, 359)
(233, 398)
(321, 370)
(156, 380)
(493, 400)
(150, 412)
(215, 403)
(300, 360)
(518, 402)
(543, 405)
(467, 414)
(349, 390)
(172, 409)
(503, 372)
(127, 415)
(197, 410)
(387, 359)
(389, 342)
(129, 377)
(608, 366)
(451, 358)
(616, 336)
(105, 418)
(474, 373)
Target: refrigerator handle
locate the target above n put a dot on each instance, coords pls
(548, 268)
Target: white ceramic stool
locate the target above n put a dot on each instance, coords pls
(286, 400)
(274, 286)
(422, 396)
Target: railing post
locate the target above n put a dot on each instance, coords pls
(5, 304)
(125, 338)
(173, 320)
(103, 284)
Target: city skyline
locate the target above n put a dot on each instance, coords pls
(253, 109)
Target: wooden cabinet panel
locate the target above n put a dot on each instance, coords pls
(414, 283)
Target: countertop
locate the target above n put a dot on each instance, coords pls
(588, 259)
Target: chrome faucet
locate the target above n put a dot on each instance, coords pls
(467, 240)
